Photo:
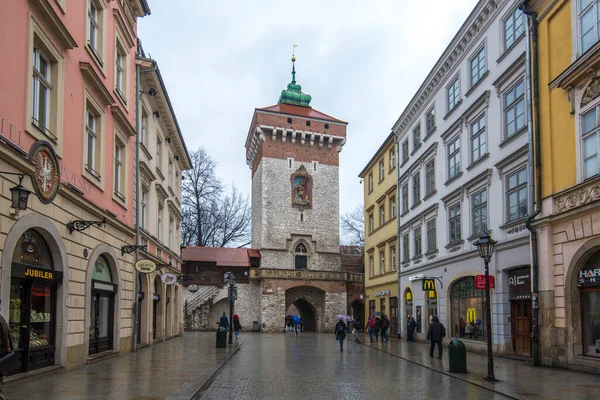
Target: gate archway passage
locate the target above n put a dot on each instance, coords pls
(310, 303)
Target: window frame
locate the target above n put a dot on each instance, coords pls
(481, 207)
(372, 266)
(159, 217)
(479, 134)
(120, 193)
(381, 170)
(479, 57)
(392, 207)
(511, 16)
(593, 6)
(382, 215)
(370, 182)
(97, 50)
(451, 154)
(417, 242)
(416, 188)
(456, 220)
(519, 187)
(393, 256)
(405, 247)
(404, 193)
(431, 246)
(371, 223)
(95, 173)
(144, 208)
(456, 97)
(392, 158)
(382, 260)
(513, 105)
(416, 137)
(405, 151)
(583, 136)
(121, 90)
(429, 176)
(430, 117)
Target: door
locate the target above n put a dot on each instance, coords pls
(521, 327)
(101, 322)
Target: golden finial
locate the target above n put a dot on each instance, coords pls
(293, 57)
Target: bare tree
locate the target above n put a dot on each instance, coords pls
(211, 218)
(353, 227)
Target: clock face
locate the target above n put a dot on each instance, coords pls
(46, 176)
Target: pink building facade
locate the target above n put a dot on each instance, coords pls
(68, 135)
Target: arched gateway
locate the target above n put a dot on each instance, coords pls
(310, 303)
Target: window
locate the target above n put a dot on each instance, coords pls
(370, 182)
(393, 256)
(121, 69)
(431, 236)
(479, 212)
(416, 188)
(382, 260)
(159, 223)
(477, 64)
(41, 90)
(454, 157)
(588, 23)
(430, 121)
(514, 109)
(170, 233)
(144, 136)
(92, 129)
(454, 223)
(405, 248)
(95, 30)
(453, 91)
(513, 28)
(467, 307)
(429, 177)
(371, 223)
(517, 195)
(405, 151)
(144, 208)
(170, 173)
(405, 198)
(371, 266)
(158, 151)
(589, 129)
(119, 182)
(381, 215)
(393, 207)
(94, 24)
(416, 137)
(301, 257)
(417, 241)
(478, 146)
(381, 170)
(392, 157)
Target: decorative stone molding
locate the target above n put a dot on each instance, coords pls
(579, 195)
(516, 229)
(271, 273)
(592, 91)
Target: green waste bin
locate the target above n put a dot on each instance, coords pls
(221, 337)
(457, 353)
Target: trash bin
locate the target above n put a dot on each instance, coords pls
(221, 337)
(457, 354)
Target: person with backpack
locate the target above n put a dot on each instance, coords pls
(356, 328)
(412, 325)
(377, 328)
(436, 332)
(237, 327)
(385, 325)
(369, 327)
(340, 333)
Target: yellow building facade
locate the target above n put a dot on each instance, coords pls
(565, 38)
(381, 233)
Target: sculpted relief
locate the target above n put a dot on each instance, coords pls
(301, 188)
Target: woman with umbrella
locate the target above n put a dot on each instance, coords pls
(340, 330)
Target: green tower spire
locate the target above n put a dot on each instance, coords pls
(293, 94)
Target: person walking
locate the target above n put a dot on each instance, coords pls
(385, 325)
(412, 325)
(435, 334)
(369, 327)
(224, 322)
(356, 329)
(377, 328)
(237, 327)
(340, 333)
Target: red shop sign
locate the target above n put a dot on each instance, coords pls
(480, 282)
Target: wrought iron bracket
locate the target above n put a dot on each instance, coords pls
(160, 266)
(437, 278)
(130, 248)
(81, 224)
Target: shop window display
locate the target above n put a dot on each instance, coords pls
(467, 308)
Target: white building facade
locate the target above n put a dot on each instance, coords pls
(462, 172)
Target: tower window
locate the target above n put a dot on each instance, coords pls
(326, 126)
(290, 161)
(289, 120)
(301, 217)
(315, 165)
(301, 257)
(307, 123)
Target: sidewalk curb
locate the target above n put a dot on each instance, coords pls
(512, 396)
(212, 377)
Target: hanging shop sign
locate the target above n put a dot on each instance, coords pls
(28, 272)
(193, 288)
(589, 277)
(168, 278)
(480, 282)
(519, 284)
(428, 285)
(145, 266)
(381, 293)
(46, 175)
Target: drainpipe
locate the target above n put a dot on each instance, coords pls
(535, 166)
(137, 204)
(398, 238)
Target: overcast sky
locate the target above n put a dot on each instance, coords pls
(361, 61)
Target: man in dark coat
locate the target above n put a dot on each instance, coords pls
(435, 334)
(412, 325)
(224, 322)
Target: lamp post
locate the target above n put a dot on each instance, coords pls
(232, 294)
(485, 244)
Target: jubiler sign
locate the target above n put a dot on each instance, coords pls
(27, 272)
(589, 277)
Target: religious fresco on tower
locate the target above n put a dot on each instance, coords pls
(301, 188)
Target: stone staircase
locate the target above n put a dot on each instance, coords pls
(198, 306)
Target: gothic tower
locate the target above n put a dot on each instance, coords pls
(293, 151)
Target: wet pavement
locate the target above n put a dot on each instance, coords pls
(174, 369)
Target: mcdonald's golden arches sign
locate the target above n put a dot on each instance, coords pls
(428, 285)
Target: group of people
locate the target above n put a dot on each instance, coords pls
(435, 333)
(293, 323)
(376, 325)
(237, 327)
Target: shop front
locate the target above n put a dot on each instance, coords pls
(467, 310)
(519, 292)
(33, 301)
(589, 298)
(102, 308)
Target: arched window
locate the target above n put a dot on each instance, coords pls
(301, 256)
(467, 309)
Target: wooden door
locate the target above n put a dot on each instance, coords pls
(521, 327)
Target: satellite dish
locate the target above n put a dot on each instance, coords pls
(193, 288)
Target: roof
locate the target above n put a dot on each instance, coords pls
(376, 154)
(224, 257)
(306, 112)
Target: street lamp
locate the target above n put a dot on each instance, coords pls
(232, 294)
(485, 244)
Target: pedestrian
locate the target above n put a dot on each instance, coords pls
(369, 327)
(385, 325)
(301, 324)
(223, 321)
(412, 325)
(435, 334)
(377, 328)
(356, 328)
(237, 327)
(5, 348)
(462, 326)
(340, 333)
